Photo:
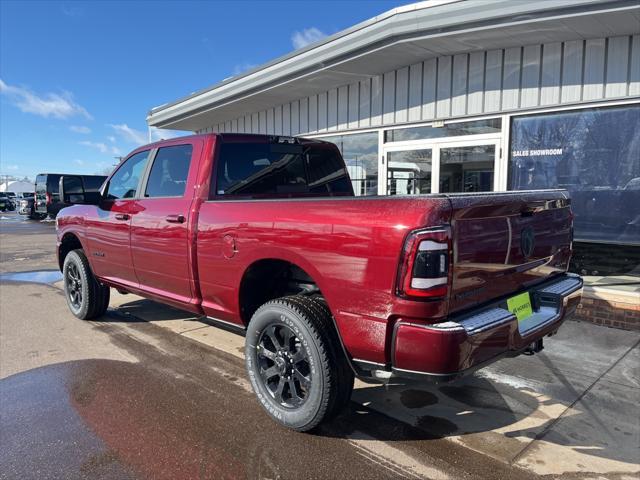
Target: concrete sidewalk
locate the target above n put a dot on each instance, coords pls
(572, 409)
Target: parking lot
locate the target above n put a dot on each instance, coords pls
(152, 392)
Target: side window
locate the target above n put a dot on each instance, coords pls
(124, 182)
(168, 176)
(92, 184)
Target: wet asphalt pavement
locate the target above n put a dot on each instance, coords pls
(164, 417)
(122, 398)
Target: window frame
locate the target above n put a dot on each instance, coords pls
(151, 160)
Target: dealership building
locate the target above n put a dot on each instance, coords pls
(470, 96)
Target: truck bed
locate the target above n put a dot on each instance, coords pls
(351, 247)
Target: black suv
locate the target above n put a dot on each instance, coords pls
(47, 200)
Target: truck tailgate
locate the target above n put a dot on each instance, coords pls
(506, 242)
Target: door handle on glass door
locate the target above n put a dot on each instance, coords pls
(122, 216)
(175, 218)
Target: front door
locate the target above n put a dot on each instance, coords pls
(108, 231)
(446, 167)
(160, 224)
(410, 171)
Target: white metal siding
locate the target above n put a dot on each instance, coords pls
(477, 83)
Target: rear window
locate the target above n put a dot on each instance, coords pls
(259, 170)
(41, 183)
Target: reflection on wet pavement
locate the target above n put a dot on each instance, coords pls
(104, 418)
(40, 276)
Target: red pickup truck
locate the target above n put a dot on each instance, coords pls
(264, 235)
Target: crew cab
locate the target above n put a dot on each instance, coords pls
(264, 235)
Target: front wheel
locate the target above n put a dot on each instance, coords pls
(86, 297)
(295, 362)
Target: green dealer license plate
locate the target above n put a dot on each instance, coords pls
(520, 306)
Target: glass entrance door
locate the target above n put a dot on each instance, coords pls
(409, 171)
(446, 166)
(467, 169)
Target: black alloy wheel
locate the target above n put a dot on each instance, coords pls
(284, 366)
(73, 286)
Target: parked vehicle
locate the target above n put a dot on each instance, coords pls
(47, 201)
(12, 199)
(26, 206)
(264, 235)
(5, 202)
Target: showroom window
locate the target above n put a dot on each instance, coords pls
(593, 153)
(360, 152)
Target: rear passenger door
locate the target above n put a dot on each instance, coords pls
(160, 226)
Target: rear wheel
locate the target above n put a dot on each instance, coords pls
(86, 297)
(295, 362)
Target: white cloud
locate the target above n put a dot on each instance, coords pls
(77, 161)
(48, 105)
(130, 134)
(97, 145)
(243, 67)
(116, 151)
(161, 134)
(306, 36)
(72, 11)
(80, 129)
(140, 138)
(12, 168)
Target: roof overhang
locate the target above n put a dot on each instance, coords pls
(397, 38)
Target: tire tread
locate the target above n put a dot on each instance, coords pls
(98, 293)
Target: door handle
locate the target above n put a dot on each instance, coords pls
(122, 216)
(175, 218)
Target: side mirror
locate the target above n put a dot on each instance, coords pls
(72, 191)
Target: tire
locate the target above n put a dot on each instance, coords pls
(86, 297)
(295, 362)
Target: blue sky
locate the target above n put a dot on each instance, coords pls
(78, 78)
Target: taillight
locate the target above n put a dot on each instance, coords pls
(424, 267)
(48, 197)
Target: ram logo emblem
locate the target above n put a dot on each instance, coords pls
(527, 241)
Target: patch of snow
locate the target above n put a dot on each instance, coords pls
(510, 380)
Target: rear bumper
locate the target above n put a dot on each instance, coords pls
(448, 350)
